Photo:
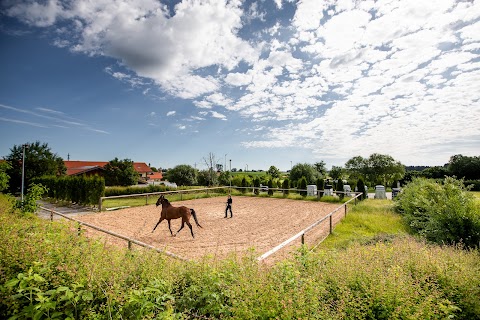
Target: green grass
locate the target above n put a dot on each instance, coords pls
(370, 220)
(47, 270)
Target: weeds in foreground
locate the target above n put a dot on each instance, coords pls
(48, 271)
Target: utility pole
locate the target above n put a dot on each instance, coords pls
(23, 169)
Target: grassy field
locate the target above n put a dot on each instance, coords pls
(368, 222)
(369, 269)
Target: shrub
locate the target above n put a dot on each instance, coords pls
(361, 188)
(442, 213)
(270, 186)
(286, 186)
(302, 185)
(341, 195)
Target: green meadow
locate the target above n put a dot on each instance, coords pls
(370, 268)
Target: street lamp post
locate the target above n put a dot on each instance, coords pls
(23, 170)
(225, 168)
(230, 175)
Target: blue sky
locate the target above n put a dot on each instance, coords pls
(259, 82)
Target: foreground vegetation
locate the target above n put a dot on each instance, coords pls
(48, 271)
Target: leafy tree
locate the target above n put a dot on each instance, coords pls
(320, 167)
(303, 170)
(183, 175)
(336, 173)
(224, 178)
(302, 185)
(4, 177)
(464, 167)
(356, 167)
(384, 169)
(435, 172)
(120, 173)
(274, 172)
(39, 161)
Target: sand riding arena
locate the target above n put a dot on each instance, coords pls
(258, 223)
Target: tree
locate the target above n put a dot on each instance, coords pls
(336, 173)
(320, 167)
(464, 167)
(4, 177)
(384, 169)
(224, 178)
(274, 172)
(302, 185)
(211, 162)
(183, 175)
(39, 161)
(435, 172)
(356, 167)
(303, 170)
(120, 173)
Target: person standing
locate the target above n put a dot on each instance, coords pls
(229, 206)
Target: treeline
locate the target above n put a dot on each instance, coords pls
(459, 166)
(76, 189)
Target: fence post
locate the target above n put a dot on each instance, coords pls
(100, 204)
(79, 229)
(129, 245)
(331, 229)
(303, 238)
(51, 214)
(345, 210)
(146, 199)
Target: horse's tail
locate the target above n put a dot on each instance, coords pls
(195, 218)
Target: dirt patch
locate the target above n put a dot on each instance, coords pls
(257, 223)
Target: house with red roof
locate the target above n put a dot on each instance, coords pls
(91, 168)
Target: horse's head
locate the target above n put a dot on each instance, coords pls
(160, 200)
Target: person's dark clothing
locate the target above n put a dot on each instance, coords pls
(229, 206)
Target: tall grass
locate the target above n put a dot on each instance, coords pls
(48, 270)
(369, 221)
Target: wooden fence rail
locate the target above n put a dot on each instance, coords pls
(304, 231)
(130, 240)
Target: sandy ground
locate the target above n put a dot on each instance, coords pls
(258, 223)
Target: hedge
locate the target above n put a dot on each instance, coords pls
(77, 189)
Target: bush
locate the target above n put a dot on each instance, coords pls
(442, 213)
(77, 189)
(302, 185)
(286, 186)
(361, 188)
(341, 195)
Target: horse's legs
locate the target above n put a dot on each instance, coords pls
(170, 228)
(183, 223)
(190, 226)
(161, 218)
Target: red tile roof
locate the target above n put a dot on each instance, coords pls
(155, 176)
(77, 167)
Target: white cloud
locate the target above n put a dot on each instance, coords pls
(171, 113)
(393, 77)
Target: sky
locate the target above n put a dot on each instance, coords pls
(254, 83)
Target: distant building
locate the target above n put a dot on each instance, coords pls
(90, 168)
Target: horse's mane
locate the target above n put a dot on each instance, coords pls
(166, 200)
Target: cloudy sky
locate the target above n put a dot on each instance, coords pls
(260, 83)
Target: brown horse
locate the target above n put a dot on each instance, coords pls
(170, 212)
